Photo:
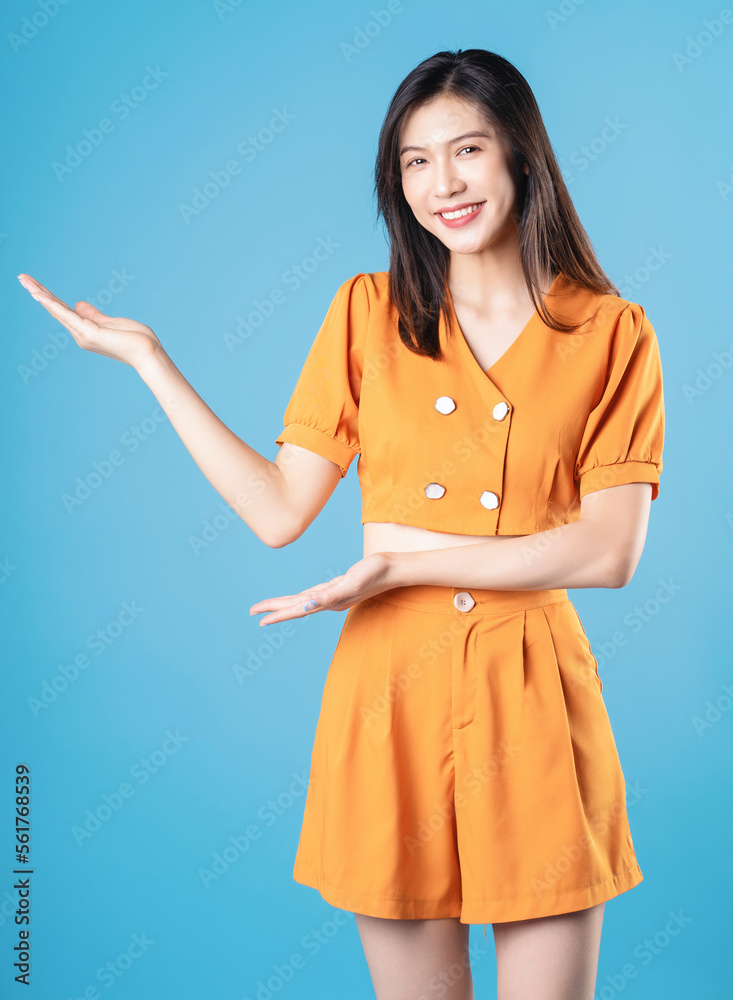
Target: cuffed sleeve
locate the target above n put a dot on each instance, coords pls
(623, 437)
(323, 412)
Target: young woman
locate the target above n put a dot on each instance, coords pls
(507, 409)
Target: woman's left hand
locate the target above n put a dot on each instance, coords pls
(368, 577)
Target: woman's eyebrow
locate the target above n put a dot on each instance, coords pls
(448, 142)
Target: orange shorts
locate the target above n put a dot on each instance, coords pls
(464, 763)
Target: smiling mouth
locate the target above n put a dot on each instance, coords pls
(461, 212)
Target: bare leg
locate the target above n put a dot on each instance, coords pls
(549, 958)
(417, 959)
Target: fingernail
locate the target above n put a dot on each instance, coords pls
(310, 604)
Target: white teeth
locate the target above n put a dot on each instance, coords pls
(457, 215)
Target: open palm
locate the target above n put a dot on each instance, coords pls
(113, 336)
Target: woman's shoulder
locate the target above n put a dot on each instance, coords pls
(370, 289)
(600, 312)
(375, 282)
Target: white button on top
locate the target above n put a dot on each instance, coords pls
(500, 411)
(434, 491)
(489, 500)
(444, 404)
(464, 601)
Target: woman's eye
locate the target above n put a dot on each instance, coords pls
(420, 158)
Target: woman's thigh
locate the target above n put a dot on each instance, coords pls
(549, 958)
(417, 959)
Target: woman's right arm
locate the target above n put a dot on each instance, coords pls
(278, 499)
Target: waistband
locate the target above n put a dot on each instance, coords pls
(471, 601)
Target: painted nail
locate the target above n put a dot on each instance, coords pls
(310, 604)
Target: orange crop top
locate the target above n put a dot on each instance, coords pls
(445, 445)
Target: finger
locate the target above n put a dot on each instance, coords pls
(295, 606)
(79, 326)
(304, 607)
(305, 603)
(36, 288)
(296, 611)
(275, 603)
(87, 311)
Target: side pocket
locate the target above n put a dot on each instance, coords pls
(592, 662)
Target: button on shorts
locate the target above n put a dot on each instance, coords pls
(464, 763)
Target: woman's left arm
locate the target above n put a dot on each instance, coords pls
(601, 549)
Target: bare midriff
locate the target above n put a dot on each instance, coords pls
(388, 536)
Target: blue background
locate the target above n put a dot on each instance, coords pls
(664, 185)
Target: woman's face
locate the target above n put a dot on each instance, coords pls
(452, 169)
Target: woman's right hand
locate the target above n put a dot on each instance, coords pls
(114, 337)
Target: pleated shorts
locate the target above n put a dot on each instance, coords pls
(464, 763)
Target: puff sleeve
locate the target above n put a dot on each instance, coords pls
(624, 434)
(323, 412)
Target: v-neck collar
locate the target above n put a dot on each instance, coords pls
(515, 344)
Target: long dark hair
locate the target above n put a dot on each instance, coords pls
(551, 237)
